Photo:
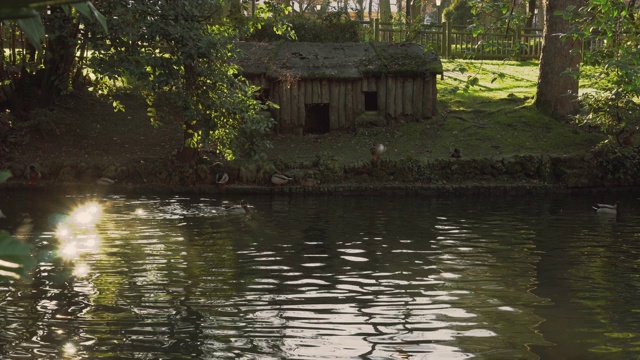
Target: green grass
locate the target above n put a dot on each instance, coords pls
(491, 119)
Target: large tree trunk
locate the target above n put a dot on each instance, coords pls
(557, 93)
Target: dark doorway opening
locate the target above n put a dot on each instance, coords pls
(316, 119)
(370, 101)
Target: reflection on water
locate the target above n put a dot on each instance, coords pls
(123, 276)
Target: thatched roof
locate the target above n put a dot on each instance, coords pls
(336, 60)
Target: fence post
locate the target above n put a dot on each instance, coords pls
(376, 29)
(518, 38)
(447, 36)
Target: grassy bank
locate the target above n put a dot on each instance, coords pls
(495, 118)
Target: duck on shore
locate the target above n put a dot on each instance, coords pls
(105, 181)
(279, 179)
(376, 152)
(33, 176)
(222, 178)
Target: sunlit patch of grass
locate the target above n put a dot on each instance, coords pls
(495, 118)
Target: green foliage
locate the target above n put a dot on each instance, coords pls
(621, 164)
(180, 56)
(458, 13)
(609, 31)
(330, 27)
(28, 19)
(5, 175)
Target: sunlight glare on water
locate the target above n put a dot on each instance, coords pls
(323, 278)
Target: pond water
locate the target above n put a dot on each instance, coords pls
(338, 277)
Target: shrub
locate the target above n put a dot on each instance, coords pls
(331, 27)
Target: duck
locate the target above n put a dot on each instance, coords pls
(33, 176)
(456, 153)
(222, 178)
(2, 215)
(279, 179)
(105, 181)
(377, 151)
(243, 208)
(607, 209)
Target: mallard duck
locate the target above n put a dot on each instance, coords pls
(243, 208)
(607, 209)
(105, 181)
(376, 152)
(222, 178)
(279, 179)
(33, 176)
(456, 153)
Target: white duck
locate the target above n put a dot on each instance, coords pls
(279, 179)
(607, 209)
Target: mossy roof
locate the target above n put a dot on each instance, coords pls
(304, 60)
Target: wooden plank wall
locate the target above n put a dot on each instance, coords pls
(399, 98)
(407, 98)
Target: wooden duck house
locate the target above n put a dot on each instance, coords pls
(321, 87)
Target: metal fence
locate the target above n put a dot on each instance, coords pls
(452, 41)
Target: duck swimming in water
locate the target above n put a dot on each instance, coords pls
(607, 209)
(243, 208)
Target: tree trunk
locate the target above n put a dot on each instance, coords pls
(557, 92)
(531, 10)
(60, 55)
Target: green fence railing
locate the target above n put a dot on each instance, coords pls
(452, 41)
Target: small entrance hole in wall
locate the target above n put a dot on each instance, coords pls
(316, 119)
(370, 101)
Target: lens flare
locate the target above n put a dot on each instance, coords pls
(77, 234)
(87, 214)
(81, 270)
(69, 349)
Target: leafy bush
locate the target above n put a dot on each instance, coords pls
(331, 27)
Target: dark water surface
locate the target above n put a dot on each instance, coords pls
(162, 277)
